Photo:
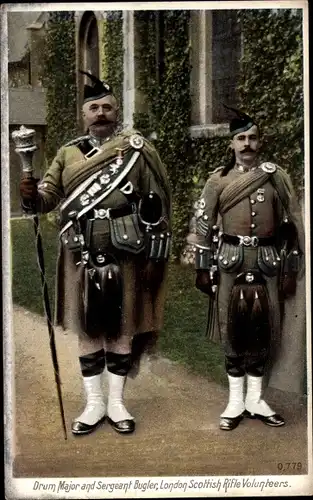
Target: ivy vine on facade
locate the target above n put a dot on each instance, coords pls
(270, 88)
(112, 61)
(271, 85)
(165, 81)
(60, 81)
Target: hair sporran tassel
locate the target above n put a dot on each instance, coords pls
(260, 330)
(257, 306)
(237, 318)
(242, 304)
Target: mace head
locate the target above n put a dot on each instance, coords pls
(24, 139)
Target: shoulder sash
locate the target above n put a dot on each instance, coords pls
(95, 189)
(241, 187)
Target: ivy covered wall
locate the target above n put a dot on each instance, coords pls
(270, 89)
(112, 53)
(163, 62)
(271, 86)
(164, 80)
(60, 81)
(172, 109)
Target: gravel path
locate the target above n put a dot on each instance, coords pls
(177, 416)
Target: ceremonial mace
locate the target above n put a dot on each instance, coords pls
(26, 146)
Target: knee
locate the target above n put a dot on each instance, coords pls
(123, 345)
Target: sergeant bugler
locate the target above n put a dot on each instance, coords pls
(252, 267)
(115, 208)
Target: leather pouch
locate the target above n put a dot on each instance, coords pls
(268, 260)
(126, 234)
(230, 257)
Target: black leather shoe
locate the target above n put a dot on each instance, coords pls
(273, 420)
(228, 423)
(123, 427)
(80, 428)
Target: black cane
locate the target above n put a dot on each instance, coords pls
(210, 317)
(25, 147)
(214, 281)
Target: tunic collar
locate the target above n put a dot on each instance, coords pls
(241, 168)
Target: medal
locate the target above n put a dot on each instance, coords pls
(199, 204)
(119, 157)
(260, 195)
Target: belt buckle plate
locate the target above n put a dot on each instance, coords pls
(102, 213)
(249, 241)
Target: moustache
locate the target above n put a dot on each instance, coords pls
(248, 150)
(102, 122)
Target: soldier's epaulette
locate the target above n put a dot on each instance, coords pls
(73, 142)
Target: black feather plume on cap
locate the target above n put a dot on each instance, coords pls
(241, 122)
(97, 90)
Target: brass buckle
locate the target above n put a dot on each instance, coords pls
(92, 152)
(248, 241)
(102, 213)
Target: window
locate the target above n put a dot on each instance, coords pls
(215, 58)
(92, 47)
(226, 51)
(88, 56)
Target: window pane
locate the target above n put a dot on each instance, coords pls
(92, 48)
(225, 62)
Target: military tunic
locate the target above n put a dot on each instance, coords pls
(142, 309)
(257, 213)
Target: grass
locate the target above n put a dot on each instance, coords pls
(26, 290)
(183, 337)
